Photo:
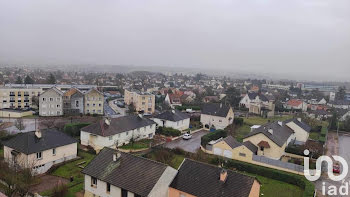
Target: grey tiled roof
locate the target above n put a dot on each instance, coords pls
(300, 124)
(280, 133)
(203, 180)
(117, 125)
(135, 174)
(215, 109)
(250, 146)
(28, 143)
(169, 115)
(232, 142)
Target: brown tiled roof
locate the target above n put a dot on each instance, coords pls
(203, 180)
(264, 144)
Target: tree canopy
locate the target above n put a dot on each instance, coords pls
(51, 79)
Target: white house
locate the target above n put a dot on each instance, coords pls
(40, 150)
(173, 119)
(215, 115)
(118, 174)
(301, 129)
(173, 100)
(117, 131)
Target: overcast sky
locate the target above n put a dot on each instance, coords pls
(280, 36)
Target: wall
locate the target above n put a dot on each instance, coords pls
(255, 191)
(93, 102)
(13, 114)
(160, 189)
(98, 142)
(180, 125)
(300, 134)
(274, 152)
(50, 108)
(176, 193)
(63, 153)
(101, 189)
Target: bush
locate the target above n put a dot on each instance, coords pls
(212, 136)
(238, 121)
(184, 107)
(167, 131)
(73, 129)
(286, 177)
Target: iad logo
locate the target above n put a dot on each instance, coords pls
(329, 161)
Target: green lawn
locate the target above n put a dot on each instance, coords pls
(174, 161)
(314, 135)
(257, 120)
(72, 169)
(141, 144)
(241, 132)
(270, 187)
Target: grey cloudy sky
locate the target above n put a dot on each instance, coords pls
(289, 36)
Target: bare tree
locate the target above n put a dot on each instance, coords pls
(48, 122)
(19, 124)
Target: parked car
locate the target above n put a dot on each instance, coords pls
(336, 168)
(186, 136)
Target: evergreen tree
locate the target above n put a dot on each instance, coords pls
(28, 80)
(51, 79)
(19, 80)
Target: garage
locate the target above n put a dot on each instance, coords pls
(217, 151)
(228, 154)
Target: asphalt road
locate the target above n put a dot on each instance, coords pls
(187, 145)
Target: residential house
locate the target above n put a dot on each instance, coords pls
(296, 104)
(211, 99)
(216, 115)
(117, 131)
(173, 119)
(77, 102)
(68, 109)
(173, 100)
(197, 179)
(40, 150)
(114, 173)
(339, 104)
(93, 102)
(229, 147)
(51, 103)
(260, 104)
(142, 101)
(273, 137)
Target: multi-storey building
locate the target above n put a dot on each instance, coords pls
(51, 103)
(18, 97)
(142, 101)
(93, 102)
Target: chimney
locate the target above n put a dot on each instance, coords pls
(140, 115)
(271, 131)
(299, 119)
(116, 156)
(223, 175)
(220, 105)
(280, 123)
(173, 111)
(38, 134)
(108, 121)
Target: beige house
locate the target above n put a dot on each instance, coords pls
(93, 102)
(142, 101)
(51, 103)
(196, 179)
(117, 131)
(215, 115)
(230, 148)
(118, 174)
(39, 150)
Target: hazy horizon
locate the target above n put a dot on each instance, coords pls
(300, 39)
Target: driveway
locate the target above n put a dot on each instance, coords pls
(187, 145)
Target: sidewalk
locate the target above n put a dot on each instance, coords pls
(332, 145)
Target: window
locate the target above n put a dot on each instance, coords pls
(93, 104)
(44, 99)
(58, 106)
(53, 151)
(220, 120)
(51, 99)
(99, 105)
(93, 182)
(124, 193)
(88, 104)
(108, 188)
(76, 103)
(58, 99)
(39, 155)
(262, 148)
(242, 154)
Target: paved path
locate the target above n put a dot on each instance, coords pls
(191, 145)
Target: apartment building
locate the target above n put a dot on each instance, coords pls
(51, 103)
(93, 102)
(11, 97)
(142, 101)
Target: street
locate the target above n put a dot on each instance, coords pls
(187, 145)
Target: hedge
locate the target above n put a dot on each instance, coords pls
(73, 129)
(205, 139)
(188, 107)
(286, 177)
(167, 131)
